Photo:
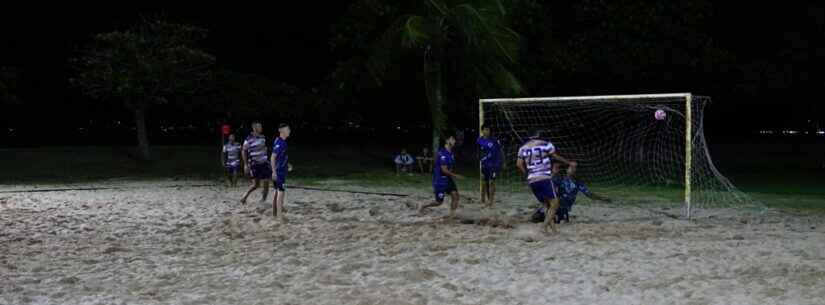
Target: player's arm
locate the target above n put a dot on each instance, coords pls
(600, 198)
(561, 159)
(520, 165)
(584, 190)
(223, 156)
(244, 157)
(447, 172)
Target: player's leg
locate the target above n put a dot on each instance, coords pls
(491, 193)
(265, 191)
(485, 184)
(231, 175)
(454, 199)
(550, 222)
(280, 197)
(282, 202)
(252, 188)
(439, 199)
(264, 173)
(276, 203)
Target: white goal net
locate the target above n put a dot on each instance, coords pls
(640, 149)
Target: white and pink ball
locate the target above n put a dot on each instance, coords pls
(660, 115)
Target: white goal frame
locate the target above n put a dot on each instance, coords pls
(688, 98)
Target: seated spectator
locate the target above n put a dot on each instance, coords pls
(425, 160)
(403, 162)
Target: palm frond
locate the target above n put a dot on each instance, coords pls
(484, 28)
(408, 32)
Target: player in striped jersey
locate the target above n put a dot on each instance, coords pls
(255, 161)
(535, 159)
(231, 156)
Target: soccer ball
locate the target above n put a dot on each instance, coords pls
(660, 115)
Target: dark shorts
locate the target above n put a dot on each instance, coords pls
(443, 191)
(543, 190)
(490, 173)
(261, 171)
(232, 169)
(567, 204)
(280, 181)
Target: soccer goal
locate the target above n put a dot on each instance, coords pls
(637, 148)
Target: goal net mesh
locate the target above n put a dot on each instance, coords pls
(623, 150)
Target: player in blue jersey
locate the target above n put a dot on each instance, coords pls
(534, 160)
(443, 175)
(491, 162)
(280, 166)
(568, 187)
(255, 161)
(231, 156)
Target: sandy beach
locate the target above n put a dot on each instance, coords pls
(164, 242)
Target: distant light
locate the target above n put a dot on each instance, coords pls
(821, 132)
(766, 132)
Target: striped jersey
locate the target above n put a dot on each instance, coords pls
(536, 155)
(233, 154)
(255, 146)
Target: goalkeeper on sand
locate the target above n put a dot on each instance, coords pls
(534, 160)
(568, 187)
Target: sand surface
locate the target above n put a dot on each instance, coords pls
(154, 243)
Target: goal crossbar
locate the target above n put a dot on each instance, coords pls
(585, 98)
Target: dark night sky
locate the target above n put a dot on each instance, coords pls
(290, 43)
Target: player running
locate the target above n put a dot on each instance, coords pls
(231, 156)
(568, 187)
(280, 166)
(491, 162)
(255, 162)
(534, 160)
(443, 174)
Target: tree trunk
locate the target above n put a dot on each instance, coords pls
(434, 87)
(143, 138)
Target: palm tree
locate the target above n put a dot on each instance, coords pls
(474, 31)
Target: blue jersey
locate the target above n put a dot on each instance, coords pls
(490, 152)
(569, 189)
(444, 158)
(281, 158)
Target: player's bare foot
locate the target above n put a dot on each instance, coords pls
(550, 227)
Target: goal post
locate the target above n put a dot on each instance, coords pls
(620, 143)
